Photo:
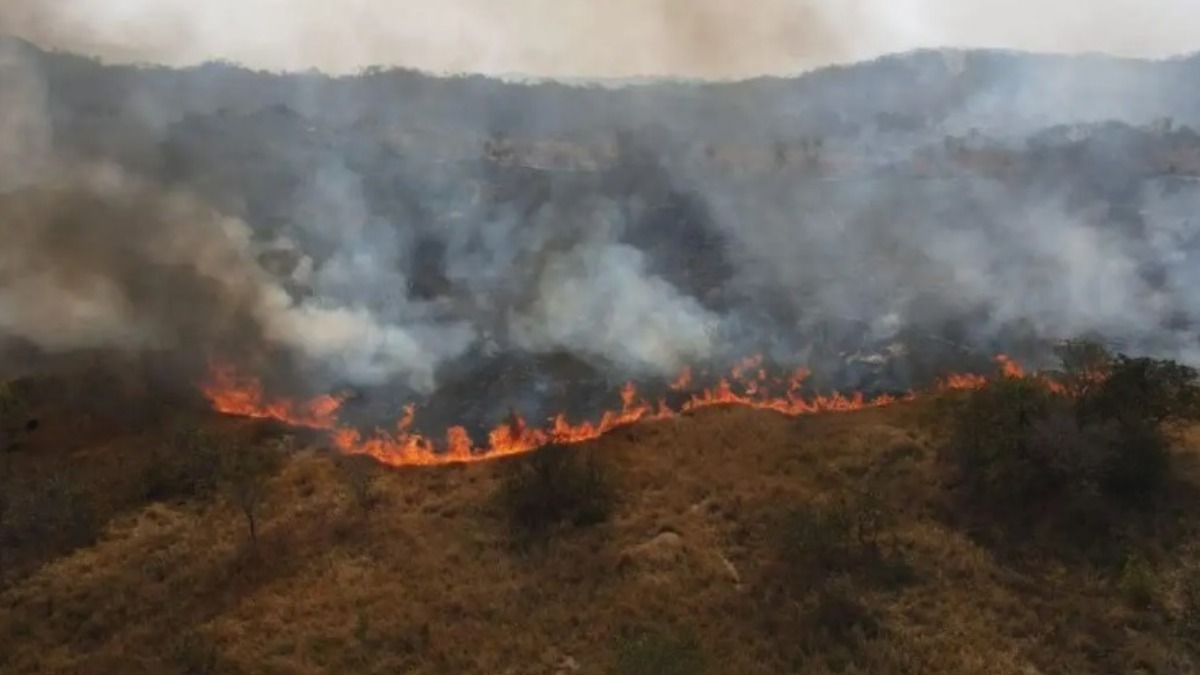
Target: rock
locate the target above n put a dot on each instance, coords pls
(662, 552)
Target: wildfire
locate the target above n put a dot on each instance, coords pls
(233, 394)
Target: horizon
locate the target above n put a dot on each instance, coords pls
(623, 40)
(601, 80)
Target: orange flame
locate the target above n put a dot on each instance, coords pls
(235, 395)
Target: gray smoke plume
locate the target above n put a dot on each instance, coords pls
(382, 230)
(95, 257)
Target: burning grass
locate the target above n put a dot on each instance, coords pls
(748, 385)
(733, 541)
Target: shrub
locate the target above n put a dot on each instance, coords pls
(15, 419)
(845, 536)
(653, 652)
(193, 654)
(555, 486)
(825, 555)
(839, 617)
(358, 474)
(1092, 438)
(188, 466)
(1103, 425)
(1137, 582)
(56, 514)
(990, 441)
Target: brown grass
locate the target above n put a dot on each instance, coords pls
(429, 581)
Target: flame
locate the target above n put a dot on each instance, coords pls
(233, 394)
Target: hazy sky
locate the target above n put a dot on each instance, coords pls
(588, 38)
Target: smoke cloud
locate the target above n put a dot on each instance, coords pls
(94, 257)
(322, 242)
(581, 38)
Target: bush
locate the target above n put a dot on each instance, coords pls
(54, 513)
(1137, 582)
(359, 473)
(652, 652)
(991, 432)
(840, 618)
(15, 418)
(1092, 438)
(826, 556)
(553, 487)
(187, 467)
(844, 537)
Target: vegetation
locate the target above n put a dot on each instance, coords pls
(186, 467)
(1082, 453)
(245, 472)
(824, 544)
(827, 555)
(649, 651)
(359, 474)
(555, 487)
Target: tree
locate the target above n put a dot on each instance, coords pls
(246, 472)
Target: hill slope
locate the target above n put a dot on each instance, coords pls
(432, 580)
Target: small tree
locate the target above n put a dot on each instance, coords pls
(245, 473)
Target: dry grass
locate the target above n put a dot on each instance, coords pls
(429, 582)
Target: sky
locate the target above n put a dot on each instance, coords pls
(590, 38)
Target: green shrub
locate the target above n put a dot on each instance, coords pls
(653, 652)
(1099, 429)
(555, 486)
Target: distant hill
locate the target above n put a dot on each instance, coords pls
(937, 91)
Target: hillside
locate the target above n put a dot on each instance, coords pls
(155, 573)
(467, 272)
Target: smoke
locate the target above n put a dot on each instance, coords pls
(974, 259)
(94, 257)
(600, 301)
(349, 256)
(581, 38)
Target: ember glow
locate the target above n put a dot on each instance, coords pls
(748, 385)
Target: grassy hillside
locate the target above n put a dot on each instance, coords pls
(727, 541)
